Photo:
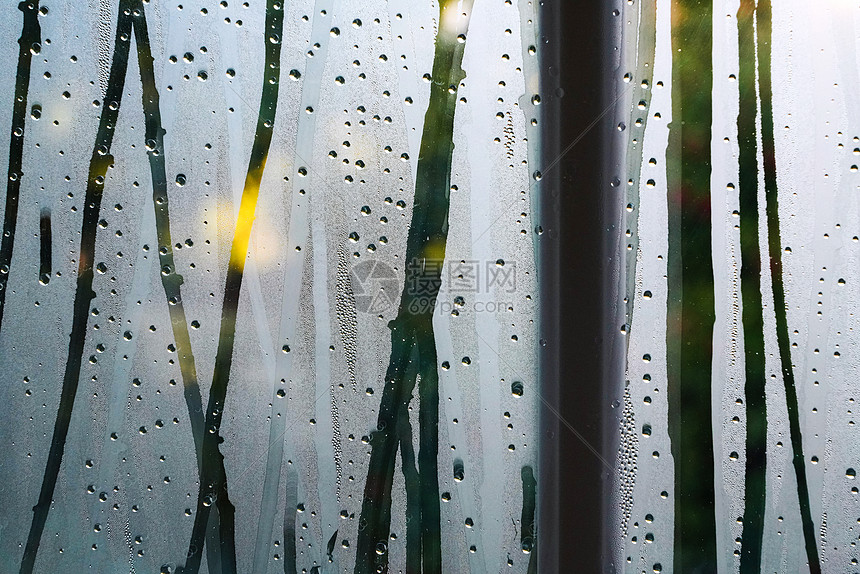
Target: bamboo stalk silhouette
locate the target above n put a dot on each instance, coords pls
(131, 17)
(691, 313)
(213, 483)
(100, 161)
(413, 360)
(754, 51)
(28, 44)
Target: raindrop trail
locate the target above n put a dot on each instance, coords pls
(45, 245)
(646, 39)
(690, 313)
(213, 483)
(413, 492)
(775, 251)
(291, 499)
(528, 535)
(412, 337)
(99, 163)
(753, 318)
(428, 443)
(299, 267)
(30, 40)
(329, 551)
(171, 280)
(375, 518)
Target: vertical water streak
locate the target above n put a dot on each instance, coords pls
(412, 337)
(45, 246)
(754, 36)
(29, 43)
(528, 527)
(753, 319)
(413, 493)
(640, 106)
(213, 483)
(171, 280)
(764, 40)
(691, 313)
(100, 161)
(428, 453)
(298, 232)
(327, 435)
(291, 498)
(375, 518)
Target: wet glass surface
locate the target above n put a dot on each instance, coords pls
(268, 289)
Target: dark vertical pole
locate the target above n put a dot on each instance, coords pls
(574, 258)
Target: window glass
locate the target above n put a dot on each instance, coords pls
(268, 286)
(737, 123)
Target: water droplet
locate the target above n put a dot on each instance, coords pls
(459, 470)
(527, 545)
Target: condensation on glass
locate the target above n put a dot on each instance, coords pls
(738, 123)
(269, 289)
